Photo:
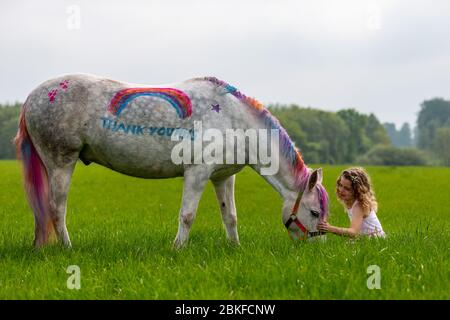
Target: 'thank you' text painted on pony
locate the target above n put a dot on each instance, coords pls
(141, 130)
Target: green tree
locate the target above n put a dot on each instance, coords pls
(9, 115)
(376, 132)
(433, 115)
(392, 132)
(401, 138)
(357, 141)
(384, 155)
(320, 135)
(404, 136)
(442, 145)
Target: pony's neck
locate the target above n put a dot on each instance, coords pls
(292, 174)
(284, 181)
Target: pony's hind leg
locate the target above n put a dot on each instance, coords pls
(59, 181)
(195, 180)
(225, 196)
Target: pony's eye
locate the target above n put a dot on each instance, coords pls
(315, 213)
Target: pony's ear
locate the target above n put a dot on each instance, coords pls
(315, 178)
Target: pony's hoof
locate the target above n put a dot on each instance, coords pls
(67, 245)
(234, 243)
(177, 244)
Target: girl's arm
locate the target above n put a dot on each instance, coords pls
(352, 231)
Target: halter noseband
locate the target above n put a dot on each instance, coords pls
(293, 219)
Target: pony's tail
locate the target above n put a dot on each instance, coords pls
(35, 181)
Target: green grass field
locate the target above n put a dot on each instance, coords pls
(122, 230)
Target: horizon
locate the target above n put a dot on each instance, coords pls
(397, 127)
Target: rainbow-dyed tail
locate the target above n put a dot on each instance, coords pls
(36, 182)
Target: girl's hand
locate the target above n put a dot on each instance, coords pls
(323, 226)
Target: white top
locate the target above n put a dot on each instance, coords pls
(371, 226)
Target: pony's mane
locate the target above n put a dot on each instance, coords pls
(323, 199)
(288, 150)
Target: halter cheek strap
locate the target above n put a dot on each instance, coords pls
(293, 217)
(297, 202)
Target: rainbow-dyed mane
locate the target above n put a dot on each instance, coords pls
(288, 149)
(136, 130)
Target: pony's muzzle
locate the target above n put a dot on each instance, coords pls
(319, 238)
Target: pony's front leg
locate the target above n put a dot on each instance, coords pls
(225, 196)
(195, 179)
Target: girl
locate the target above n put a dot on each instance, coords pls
(355, 192)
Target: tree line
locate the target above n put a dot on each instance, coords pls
(433, 130)
(9, 115)
(346, 136)
(342, 137)
(402, 137)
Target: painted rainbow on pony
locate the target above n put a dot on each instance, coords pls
(287, 146)
(177, 98)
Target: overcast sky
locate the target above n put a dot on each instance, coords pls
(383, 57)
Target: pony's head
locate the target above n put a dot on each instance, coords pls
(309, 208)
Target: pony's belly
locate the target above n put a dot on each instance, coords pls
(134, 160)
(225, 171)
(148, 172)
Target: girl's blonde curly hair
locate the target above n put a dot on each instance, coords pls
(362, 187)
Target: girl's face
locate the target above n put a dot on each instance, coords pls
(344, 189)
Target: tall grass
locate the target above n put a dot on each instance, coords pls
(122, 229)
